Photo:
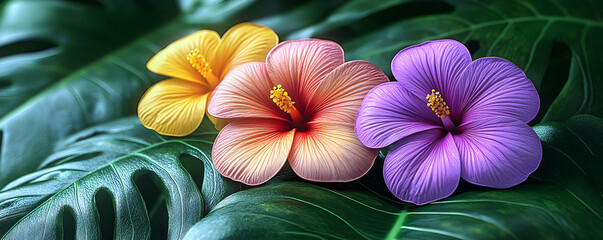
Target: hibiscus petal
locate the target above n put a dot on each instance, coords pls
(171, 61)
(330, 152)
(497, 152)
(300, 65)
(245, 93)
(243, 43)
(423, 167)
(495, 86)
(431, 65)
(252, 151)
(339, 96)
(390, 113)
(173, 107)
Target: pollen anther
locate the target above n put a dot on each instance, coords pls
(437, 104)
(281, 98)
(196, 59)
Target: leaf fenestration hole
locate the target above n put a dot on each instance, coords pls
(147, 183)
(92, 134)
(94, 3)
(194, 167)
(26, 46)
(5, 83)
(66, 224)
(106, 211)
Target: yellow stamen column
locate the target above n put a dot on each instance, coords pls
(198, 62)
(281, 98)
(440, 108)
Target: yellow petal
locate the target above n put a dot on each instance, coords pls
(172, 60)
(173, 107)
(219, 123)
(243, 43)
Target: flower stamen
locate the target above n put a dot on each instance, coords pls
(198, 62)
(281, 98)
(437, 104)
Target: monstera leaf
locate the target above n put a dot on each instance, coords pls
(561, 201)
(108, 158)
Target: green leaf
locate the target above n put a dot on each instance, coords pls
(108, 158)
(562, 200)
(575, 153)
(527, 33)
(302, 210)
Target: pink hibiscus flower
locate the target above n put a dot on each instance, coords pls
(311, 123)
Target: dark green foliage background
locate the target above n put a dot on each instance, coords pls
(76, 162)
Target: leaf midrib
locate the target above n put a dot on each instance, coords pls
(397, 227)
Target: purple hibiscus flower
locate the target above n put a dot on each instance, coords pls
(450, 117)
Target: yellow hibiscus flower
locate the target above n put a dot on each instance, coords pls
(197, 63)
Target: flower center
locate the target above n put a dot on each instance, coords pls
(281, 98)
(198, 62)
(437, 104)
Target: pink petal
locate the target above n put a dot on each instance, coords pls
(300, 65)
(330, 152)
(245, 93)
(423, 167)
(494, 86)
(497, 152)
(390, 113)
(252, 151)
(431, 65)
(339, 96)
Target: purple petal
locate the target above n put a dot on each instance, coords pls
(431, 65)
(390, 113)
(494, 86)
(423, 167)
(498, 152)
